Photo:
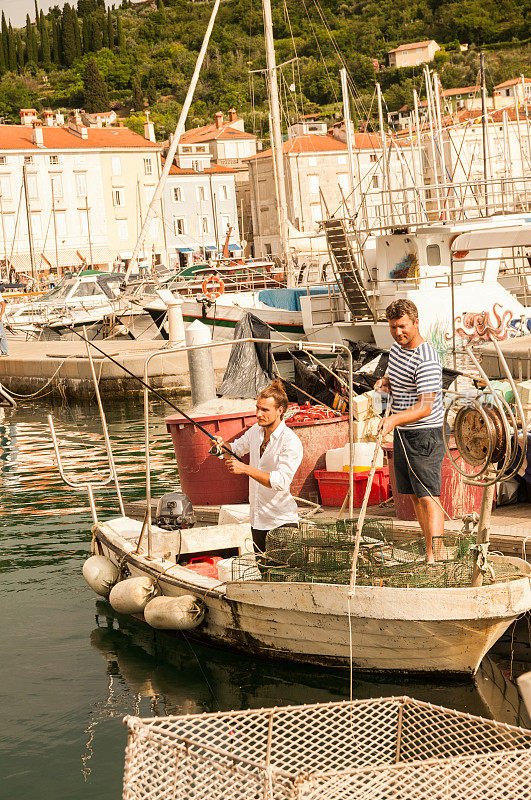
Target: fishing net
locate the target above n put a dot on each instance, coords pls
(322, 552)
(392, 748)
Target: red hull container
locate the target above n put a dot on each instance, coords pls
(333, 487)
(206, 480)
(457, 497)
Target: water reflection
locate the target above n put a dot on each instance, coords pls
(68, 681)
(166, 673)
(32, 494)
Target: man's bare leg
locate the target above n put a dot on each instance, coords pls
(432, 524)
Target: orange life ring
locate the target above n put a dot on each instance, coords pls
(214, 293)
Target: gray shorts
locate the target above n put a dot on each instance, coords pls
(420, 472)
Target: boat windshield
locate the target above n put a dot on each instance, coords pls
(60, 292)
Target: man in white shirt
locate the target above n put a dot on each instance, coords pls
(275, 453)
(3, 339)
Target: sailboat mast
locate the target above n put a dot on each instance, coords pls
(484, 129)
(276, 135)
(28, 217)
(348, 130)
(179, 130)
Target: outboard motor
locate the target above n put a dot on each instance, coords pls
(175, 511)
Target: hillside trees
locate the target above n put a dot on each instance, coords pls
(94, 89)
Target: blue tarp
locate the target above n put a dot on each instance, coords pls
(233, 247)
(289, 299)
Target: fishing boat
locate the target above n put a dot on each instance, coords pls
(381, 628)
(168, 574)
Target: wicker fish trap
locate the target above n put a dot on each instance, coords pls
(392, 748)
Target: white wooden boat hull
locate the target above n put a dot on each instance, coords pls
(404, 630)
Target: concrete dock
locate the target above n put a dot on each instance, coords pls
(62, 369)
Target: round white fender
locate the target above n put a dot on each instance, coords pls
(175, 613)
(100, 574)
(131, 595)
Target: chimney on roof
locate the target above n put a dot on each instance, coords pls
(149, 129)
(28, 116)
(232, 115)
(75, 125)
(219, 120)
(48, 117)
(36, 135)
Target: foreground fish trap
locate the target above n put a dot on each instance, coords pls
(383, 749)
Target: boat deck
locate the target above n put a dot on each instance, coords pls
(510, 531)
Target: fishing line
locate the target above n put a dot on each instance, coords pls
(159, 395)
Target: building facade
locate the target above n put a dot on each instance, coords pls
(411, 55)
(200, 207)
(73, 195)
(229, 146)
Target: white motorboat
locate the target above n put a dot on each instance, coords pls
(78, 300)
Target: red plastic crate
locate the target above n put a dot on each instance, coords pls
(333, 487)
(204, 566)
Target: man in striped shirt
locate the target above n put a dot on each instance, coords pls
(414, 378)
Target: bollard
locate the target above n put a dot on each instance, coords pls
(200, 366)
(175, 320)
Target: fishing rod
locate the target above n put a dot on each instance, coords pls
(215, 450)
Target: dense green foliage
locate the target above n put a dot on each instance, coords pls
(146, 53)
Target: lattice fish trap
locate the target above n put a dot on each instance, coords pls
(383, 749)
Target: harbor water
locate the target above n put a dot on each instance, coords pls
(71, 668)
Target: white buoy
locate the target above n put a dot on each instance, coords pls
(100, 574)
(175, 613)
(200, 365)
(131, 595)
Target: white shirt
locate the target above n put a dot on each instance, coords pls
(273, 506)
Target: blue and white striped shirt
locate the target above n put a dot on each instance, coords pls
(412, 373)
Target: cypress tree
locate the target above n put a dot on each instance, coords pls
(105, 34)
(151, 92)
(138, 97)
(37, 16)
(5, 40)
(2, 60)
(97, 34)
(77, 34)
(56, 38)
(120, 33)
(95, 89)
(87, 33)
(110, 30)
(32, 49)
(46, 55)
(19, 48)
(68, 37)
(12, 50)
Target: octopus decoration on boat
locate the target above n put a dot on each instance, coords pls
(477, 327)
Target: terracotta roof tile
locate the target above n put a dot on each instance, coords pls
(412, 46)
(209, 132)
(319, 143)
(511, 82)
(213, 170)
(310, 143)
(18, 137)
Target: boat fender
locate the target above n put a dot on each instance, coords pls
(131, 595)
(175, 613)
(100, 574)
